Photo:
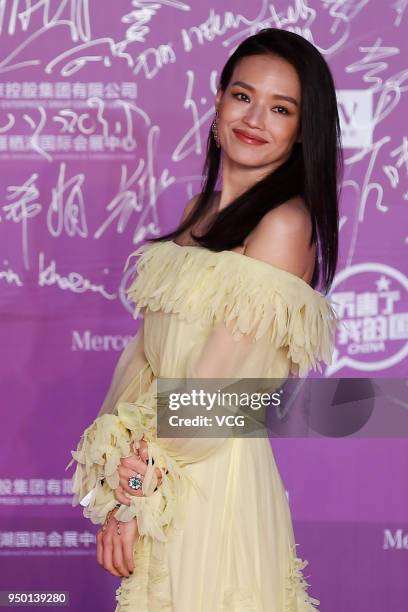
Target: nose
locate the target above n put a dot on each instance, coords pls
(254, 116)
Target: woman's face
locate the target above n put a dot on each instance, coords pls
(266, 105)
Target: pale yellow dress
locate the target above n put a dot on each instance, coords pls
(216, 534)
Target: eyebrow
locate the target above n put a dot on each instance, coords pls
(277, 96)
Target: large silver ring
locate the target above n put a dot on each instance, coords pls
(135, 482)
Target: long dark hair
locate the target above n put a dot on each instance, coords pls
(312, 170)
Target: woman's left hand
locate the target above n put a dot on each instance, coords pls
(114, 547)
(129, 466)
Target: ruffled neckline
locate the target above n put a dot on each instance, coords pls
(250, 296)
(250, 261)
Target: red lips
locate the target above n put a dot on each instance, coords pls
(248, 137)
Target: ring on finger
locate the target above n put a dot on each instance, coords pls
(135, 482)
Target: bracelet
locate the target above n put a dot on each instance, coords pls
(108, 518)
(117, 522)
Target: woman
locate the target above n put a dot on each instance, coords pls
(200, 524)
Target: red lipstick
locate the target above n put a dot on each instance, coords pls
(248, 138)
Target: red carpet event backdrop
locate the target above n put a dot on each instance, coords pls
(105, 109)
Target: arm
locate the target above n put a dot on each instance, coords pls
(94, 479)
(131, 374)
(106, 440)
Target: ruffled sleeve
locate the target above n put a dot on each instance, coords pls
(107, 439)
(127, 415)
(110, 438)
(97, 455)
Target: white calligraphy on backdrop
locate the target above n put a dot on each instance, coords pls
(121, 107)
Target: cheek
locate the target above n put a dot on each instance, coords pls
(284, 130)
(229, 116)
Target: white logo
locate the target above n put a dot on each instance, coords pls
(87, 341)
(374, 328)
(356, 117)
(397, 540)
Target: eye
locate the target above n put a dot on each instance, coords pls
(286, 112)
(239, 94)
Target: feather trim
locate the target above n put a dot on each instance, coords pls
(103, 444)
(149, 587)
(297, 598)
(249, 295)
(98, 453)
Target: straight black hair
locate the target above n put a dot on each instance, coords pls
(312, 171)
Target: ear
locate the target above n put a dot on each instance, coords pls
(218, 97)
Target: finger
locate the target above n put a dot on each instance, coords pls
(108, 555)
(124, 484)
(134, 448)
(99, 547)
(136, 464)
(119, 494)
(127, 545)
(125, 475)
(118, 560)
(131, 450)
(144, 452)
(127, 472)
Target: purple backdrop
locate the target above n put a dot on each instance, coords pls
(104, 113)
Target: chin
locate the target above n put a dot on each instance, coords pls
(249, 159)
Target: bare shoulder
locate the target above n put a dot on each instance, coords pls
(282, 238)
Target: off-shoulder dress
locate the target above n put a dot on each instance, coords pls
(216, 535)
